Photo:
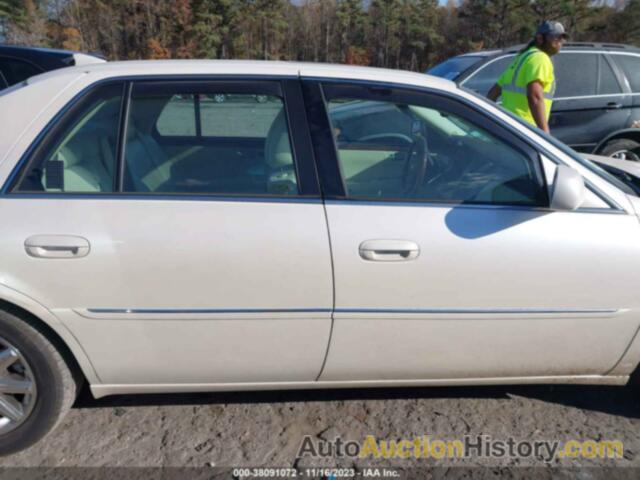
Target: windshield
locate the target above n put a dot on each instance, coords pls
(452, 68)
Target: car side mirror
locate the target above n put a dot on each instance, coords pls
(568, 190)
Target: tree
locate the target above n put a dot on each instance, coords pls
(25, 22)
(350, 25)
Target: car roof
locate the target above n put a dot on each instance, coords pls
(252, 67)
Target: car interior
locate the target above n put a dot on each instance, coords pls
(388, 150)
(252, 156)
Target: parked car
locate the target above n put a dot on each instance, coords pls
(19, 63)
(597, 103)
(311, 241)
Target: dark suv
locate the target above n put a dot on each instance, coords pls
(597, 101)
(19, 63)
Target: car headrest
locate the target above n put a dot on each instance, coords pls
(277, 148)
(68, 156)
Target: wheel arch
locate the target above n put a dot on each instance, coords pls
(627, 133)
(41, 318)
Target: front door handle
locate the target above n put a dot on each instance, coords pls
(389, 250)
(57, 246)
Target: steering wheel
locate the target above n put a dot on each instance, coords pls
(377, 136)
(416, 165)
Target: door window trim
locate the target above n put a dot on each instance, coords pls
(322, 90)
(293, 102)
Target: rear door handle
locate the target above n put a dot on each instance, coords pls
(389, 250)
(614, 106)
(57, 246)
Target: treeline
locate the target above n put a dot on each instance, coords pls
(407, 34)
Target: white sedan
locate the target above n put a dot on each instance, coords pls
(324, 226)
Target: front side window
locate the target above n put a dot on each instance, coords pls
(607, 82)
(482, 81)
(393, 150)
(200, 139)
(79, 154)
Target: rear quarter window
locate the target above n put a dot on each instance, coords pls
(630, 65)
(15, 71)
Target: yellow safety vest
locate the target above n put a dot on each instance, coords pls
(531, 65)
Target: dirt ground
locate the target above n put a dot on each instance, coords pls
(260, 429)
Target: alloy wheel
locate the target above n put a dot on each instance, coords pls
(17, 388)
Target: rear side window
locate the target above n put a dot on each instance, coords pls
(202, 138)
(576, 74)
(630, 65)
(607, 82)
(15, 71)
(482, 81)
(79, 155)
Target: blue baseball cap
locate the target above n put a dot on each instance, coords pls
(549, 27)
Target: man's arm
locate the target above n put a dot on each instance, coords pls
(535, 97)
(494, 93)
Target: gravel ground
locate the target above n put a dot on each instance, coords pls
(260, 429)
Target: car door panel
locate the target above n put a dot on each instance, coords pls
(583, 122)
(493, 293)
(183, 291)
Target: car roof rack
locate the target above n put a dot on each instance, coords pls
(573, 45)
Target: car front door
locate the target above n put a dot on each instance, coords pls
(448, 261)
(590, 102)
(180, 239)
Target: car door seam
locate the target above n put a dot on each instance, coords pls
(333, 291)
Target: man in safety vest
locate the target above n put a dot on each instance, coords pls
(528, 84)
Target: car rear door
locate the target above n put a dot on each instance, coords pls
(448, 263)
(590, 102)
(180, 240)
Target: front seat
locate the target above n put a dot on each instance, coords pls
(281, 171)
(147, 163)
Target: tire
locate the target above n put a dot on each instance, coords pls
(622, 148)
(38, 363)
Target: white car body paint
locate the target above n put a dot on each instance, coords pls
(155, 308)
